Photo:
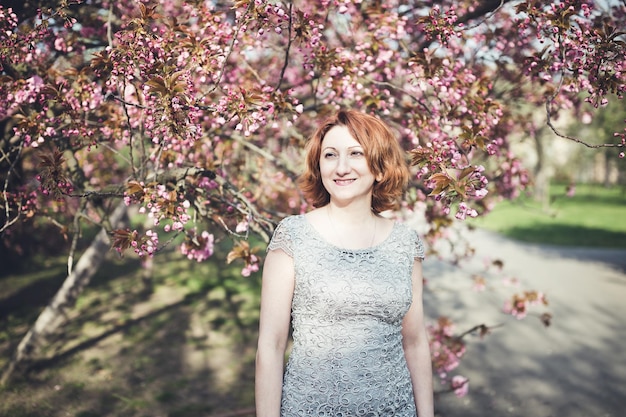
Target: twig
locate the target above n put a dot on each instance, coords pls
(550, 100)
(142, 107)
(115, 151)
(286, 62)
(251, 212)
(124, 102)
(231, 46)
(482, 327)
(93, 194)
(275, 160)
(7, 209)
(564, 136)
(488, 15)
(166, 243)
(11, 222)
(109, 24)
(402, 90)
(484, 9)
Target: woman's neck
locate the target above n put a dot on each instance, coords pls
(352, 214)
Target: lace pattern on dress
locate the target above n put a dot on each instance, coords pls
(281, 239)
(419, 248)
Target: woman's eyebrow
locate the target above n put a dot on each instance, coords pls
(349, 147)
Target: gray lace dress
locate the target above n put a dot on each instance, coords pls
(348, 305)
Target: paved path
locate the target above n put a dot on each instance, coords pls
(575, 368)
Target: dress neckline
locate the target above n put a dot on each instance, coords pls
(322, 239)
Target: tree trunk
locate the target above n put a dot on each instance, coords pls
(542, 174)
(607, 167)
(53, 315)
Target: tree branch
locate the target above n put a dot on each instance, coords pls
(402, 90)
(486, 9)
(8, 223)
(573, 139)
(231, 46)
(487, 15)
(286, 62)
(484, 329)
(267, 155)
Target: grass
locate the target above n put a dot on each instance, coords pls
(182, 346)
(594, 217)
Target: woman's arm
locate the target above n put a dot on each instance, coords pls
(416, 348)
(276, 296)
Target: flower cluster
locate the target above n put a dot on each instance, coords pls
(242, 251)
(52, 178)
(450, 186)
(159, 203)
(446, 350)
(251, 266)
(197, 246)
(513, 177)
(26, 92)
(464, 211)
(570, 61)
(440, 25)
(142, 245)
(519, 304)
(460, 385)
(19, 204)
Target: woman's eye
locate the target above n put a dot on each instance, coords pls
(330, 155)
(357, 153)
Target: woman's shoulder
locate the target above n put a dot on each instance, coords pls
(285, 233)
(291, 220)
(409, 237)
(290, 223)
(404, 227)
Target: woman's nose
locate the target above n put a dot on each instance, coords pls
(343, 165)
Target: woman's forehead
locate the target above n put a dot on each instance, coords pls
(339, 136)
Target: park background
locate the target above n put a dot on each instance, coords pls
(196, 113)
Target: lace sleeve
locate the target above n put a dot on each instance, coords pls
(418, 251)
(281, 239)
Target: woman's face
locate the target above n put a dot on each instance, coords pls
(344, 168)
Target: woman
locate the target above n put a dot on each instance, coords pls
(351, 281)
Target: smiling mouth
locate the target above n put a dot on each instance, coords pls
(344, 182)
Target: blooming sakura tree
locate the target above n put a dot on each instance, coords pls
(190, 118)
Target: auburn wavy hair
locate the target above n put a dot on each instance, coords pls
(384, 156)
